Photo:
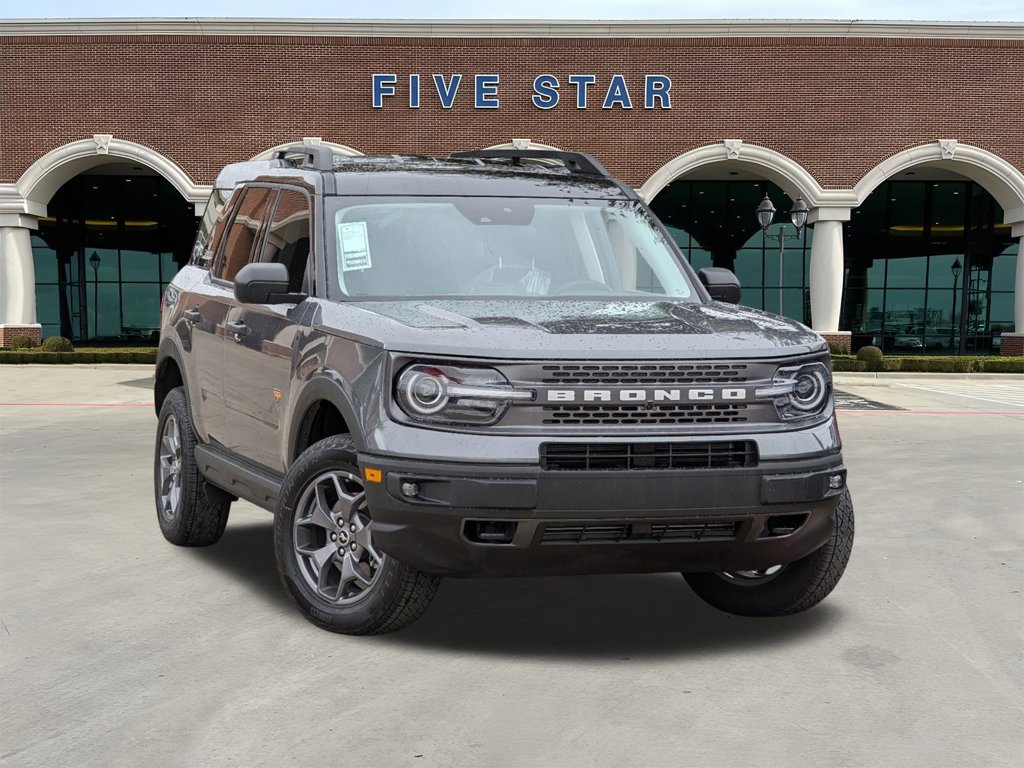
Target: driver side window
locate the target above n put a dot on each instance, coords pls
(246, 231)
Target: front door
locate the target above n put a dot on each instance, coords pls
(262, 342)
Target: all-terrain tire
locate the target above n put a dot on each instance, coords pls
(198, 516)
(396, 596)
(797, 587)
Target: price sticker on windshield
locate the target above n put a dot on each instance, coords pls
(354, 246)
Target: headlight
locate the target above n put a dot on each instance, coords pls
(800, 391)
(455, 395)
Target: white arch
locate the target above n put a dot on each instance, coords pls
(792, 177)
(1000, 179)
(339, 149)
(51, 171)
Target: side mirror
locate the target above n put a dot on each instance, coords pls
(721, 284)
(259, 283)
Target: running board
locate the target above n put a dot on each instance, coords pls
(236, 477)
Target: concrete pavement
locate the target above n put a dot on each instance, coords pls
(118, 649)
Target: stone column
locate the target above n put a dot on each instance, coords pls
(1013, 343)
(827, 272)
(17, 286)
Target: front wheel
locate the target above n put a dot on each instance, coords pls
(782, 589)
(323, 538)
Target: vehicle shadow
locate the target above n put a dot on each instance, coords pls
(589, 617)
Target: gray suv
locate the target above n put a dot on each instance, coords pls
(495, 363)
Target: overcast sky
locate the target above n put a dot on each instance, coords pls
(912, 10)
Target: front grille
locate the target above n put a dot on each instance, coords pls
(568, 457)
(641, 373)
(638, 533)
(668, 413)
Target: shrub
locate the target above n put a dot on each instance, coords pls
(848, 364)
(839, 347)
(57, 344)
(870, 354)
(1003, 365)
(23, 342)
(891, 364)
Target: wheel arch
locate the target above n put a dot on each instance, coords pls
(170, 373)
(322, 409)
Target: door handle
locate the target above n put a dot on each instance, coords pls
(238, 329)
(194, 315)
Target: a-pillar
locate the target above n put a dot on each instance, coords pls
(827, 273)
(17, 280)
(1013, 343)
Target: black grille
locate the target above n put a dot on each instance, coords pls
(631, 533)
(668, 413)
(568, 457)
(640, 373)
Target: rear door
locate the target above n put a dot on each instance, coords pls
(262, 340)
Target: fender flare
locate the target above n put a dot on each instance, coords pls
(168, 350)
(332, 390)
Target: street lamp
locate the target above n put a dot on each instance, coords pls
(955, 268)
(94, 262)
(766, 215)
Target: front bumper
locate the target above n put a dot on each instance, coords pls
(475, 519)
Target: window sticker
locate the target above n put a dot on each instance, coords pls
(354, 246)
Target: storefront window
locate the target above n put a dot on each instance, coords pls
(927, 264)
(104, 255)
(713, 223)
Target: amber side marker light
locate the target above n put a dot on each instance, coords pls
(373, 475)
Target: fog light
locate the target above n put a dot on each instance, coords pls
(410, 490)
(835, 482)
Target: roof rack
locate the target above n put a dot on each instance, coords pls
(576, 162)
(314, 157)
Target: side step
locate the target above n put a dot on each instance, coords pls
(236, 477)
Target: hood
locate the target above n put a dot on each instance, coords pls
(570, 329)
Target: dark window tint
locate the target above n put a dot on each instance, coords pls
(287, 239)
(247, 228)
(210, 229)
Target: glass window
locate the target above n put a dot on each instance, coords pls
(487, 246)
(210, 227)
(288, 237)
(245, 231)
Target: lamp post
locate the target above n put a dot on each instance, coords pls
(94, 262)
(766, 215)
(955, 268)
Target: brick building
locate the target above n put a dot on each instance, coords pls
(905, 140)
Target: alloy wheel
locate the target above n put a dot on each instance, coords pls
(333, 540)
(170, 469)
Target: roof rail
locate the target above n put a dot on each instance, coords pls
(315, 157)
(577, 162)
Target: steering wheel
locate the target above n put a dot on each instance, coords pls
(574, 285)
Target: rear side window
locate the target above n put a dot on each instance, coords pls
(246, 231)
(287, 240)
(210, 229)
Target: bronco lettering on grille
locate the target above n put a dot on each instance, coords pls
(703, 394)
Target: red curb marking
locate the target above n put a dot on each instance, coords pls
(933, 413)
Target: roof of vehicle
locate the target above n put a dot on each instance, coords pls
(498, 175)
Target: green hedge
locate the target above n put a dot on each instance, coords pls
(19, 357)
(931, 364)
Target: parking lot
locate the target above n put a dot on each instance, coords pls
(118, 649)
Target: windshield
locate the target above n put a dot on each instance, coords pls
(499, 247)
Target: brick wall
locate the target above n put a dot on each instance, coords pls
(836, 105)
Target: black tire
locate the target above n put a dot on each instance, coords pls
(393, 596)
(201, 512)
(795, 588)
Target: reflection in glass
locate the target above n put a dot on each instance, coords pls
(104, 254)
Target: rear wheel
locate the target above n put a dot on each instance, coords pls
(782, 589)
(328, 562)
(190, 512)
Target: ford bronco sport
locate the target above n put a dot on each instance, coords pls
(496, 363)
